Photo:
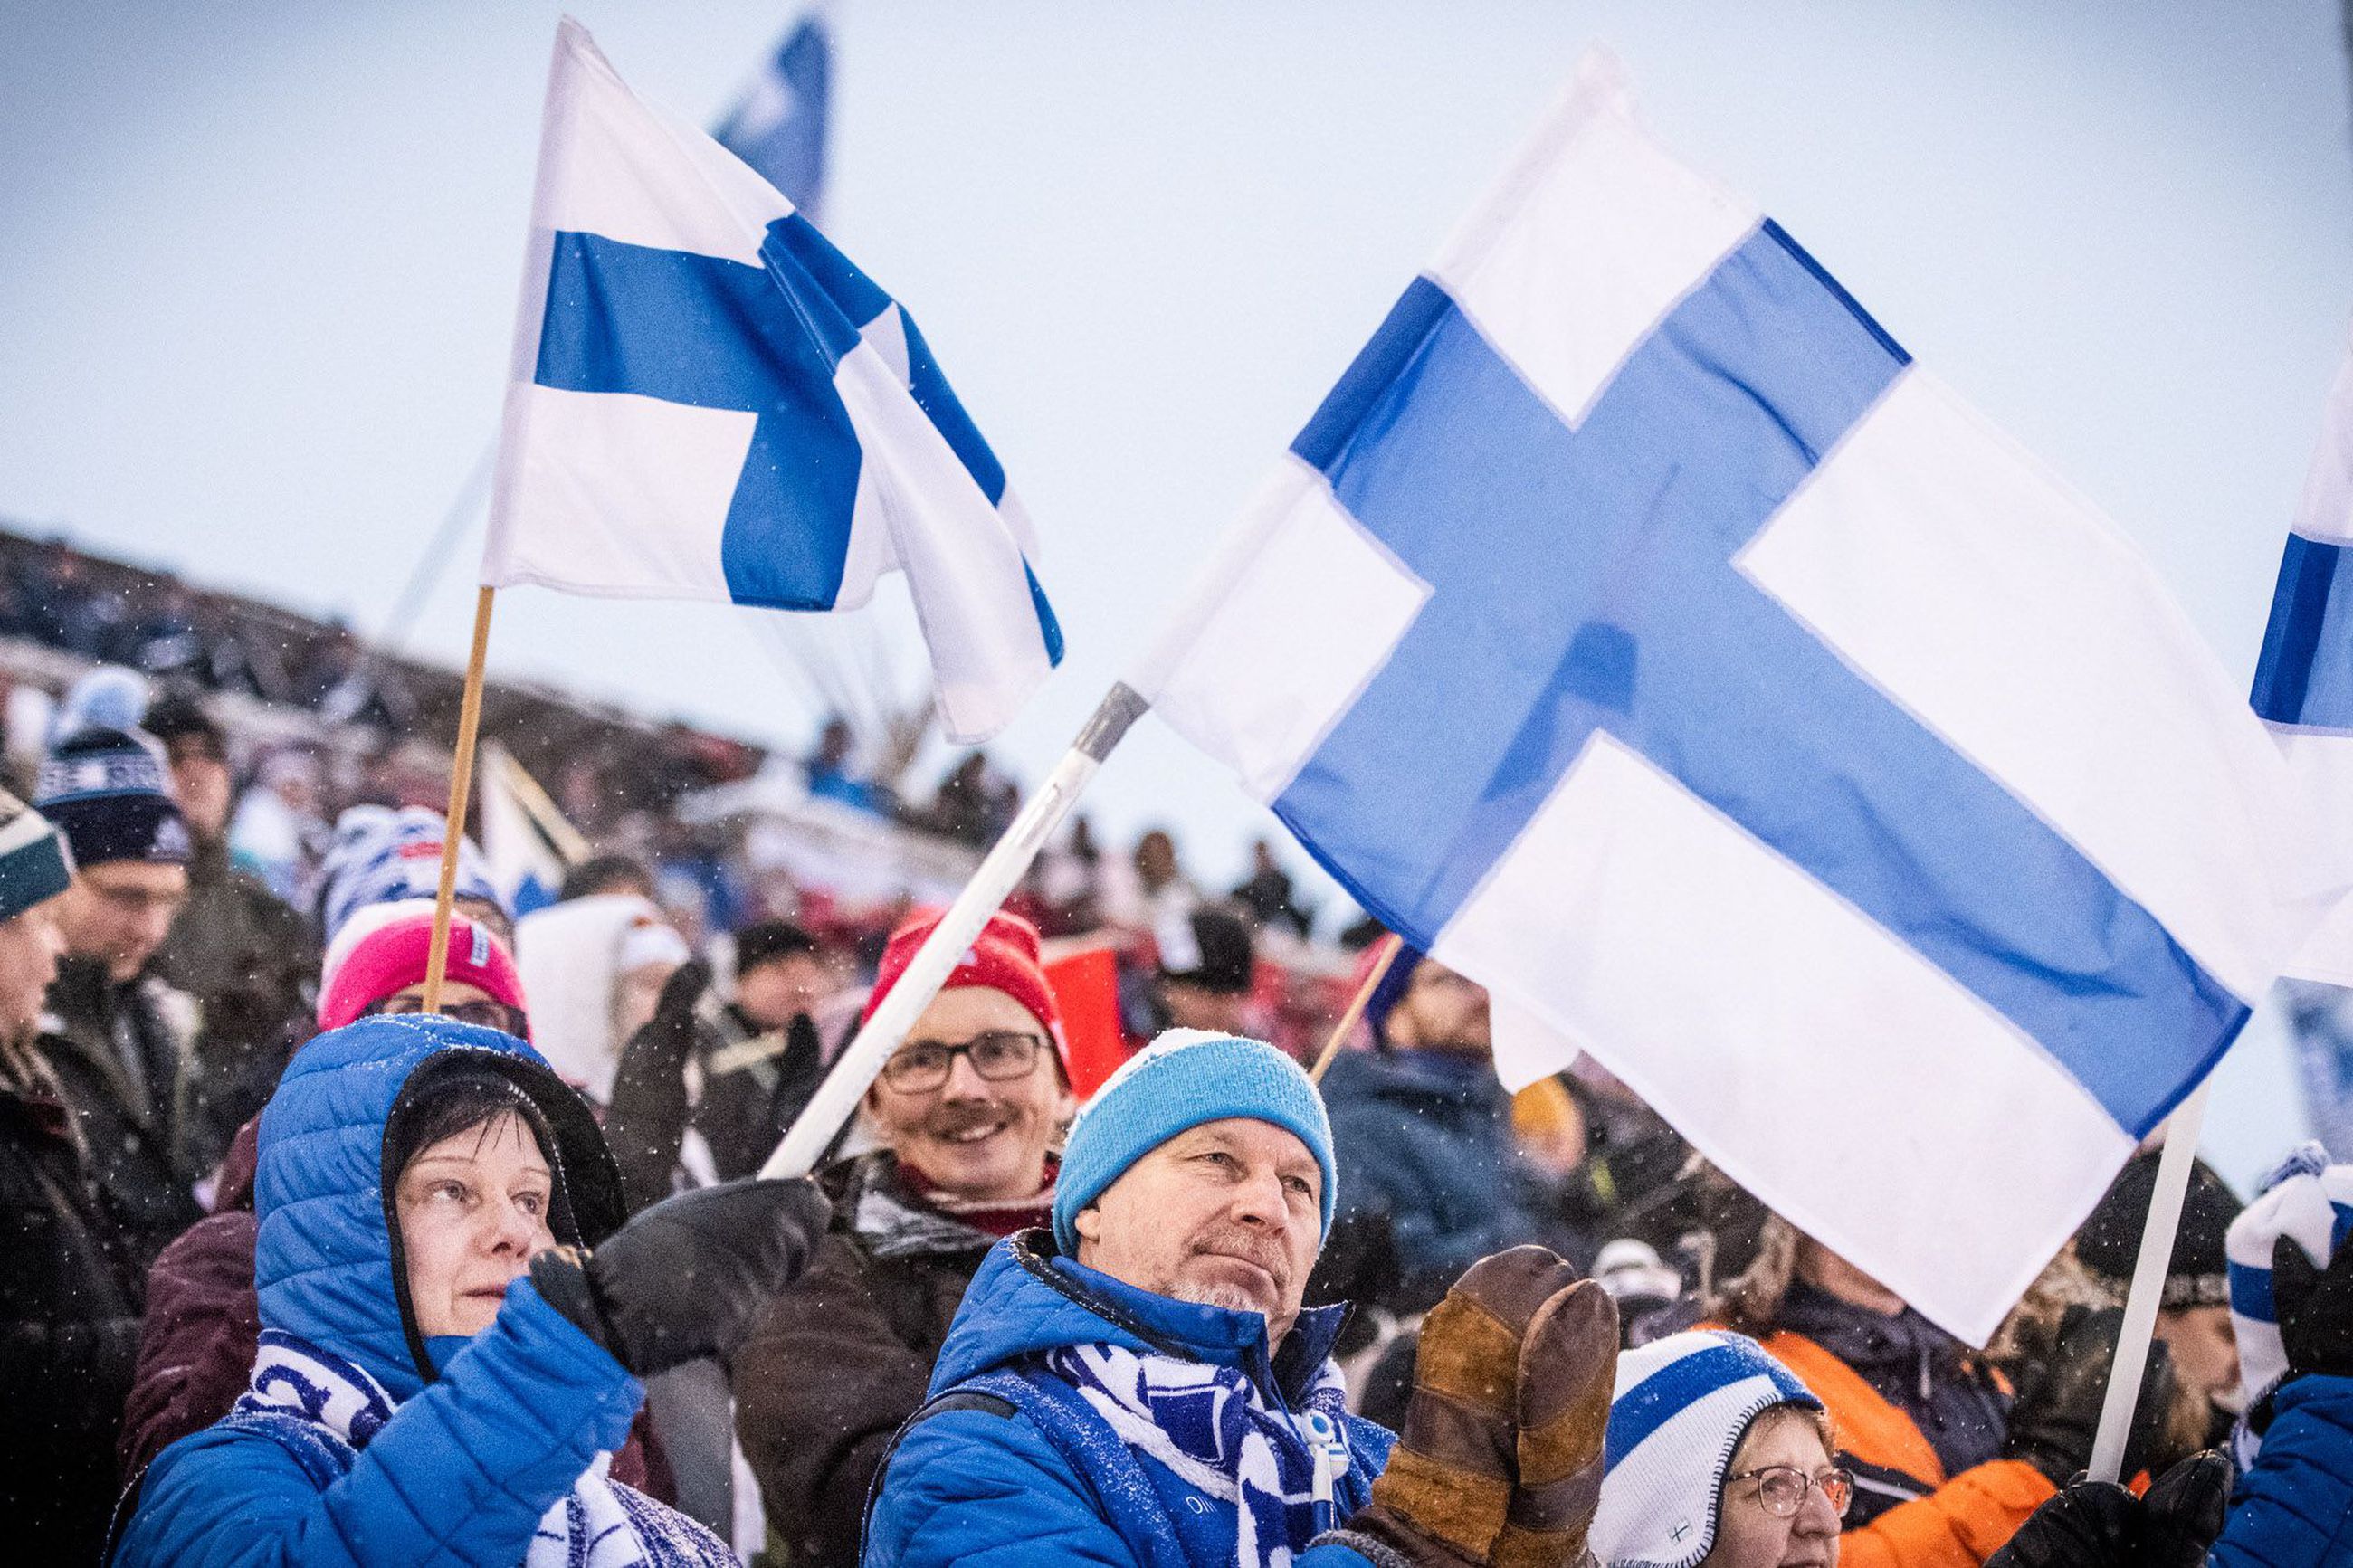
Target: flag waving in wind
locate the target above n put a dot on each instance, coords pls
(779, 125)
(1636, 629)
(708, 401)
(2303, 681)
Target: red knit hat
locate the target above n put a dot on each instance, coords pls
(393, 956)
(1003, 957)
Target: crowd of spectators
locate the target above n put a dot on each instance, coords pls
(216, 930)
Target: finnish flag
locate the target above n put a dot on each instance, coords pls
(523, 865)
(2304, 680)
(1635, 628)
(708, 401)
(778, 127)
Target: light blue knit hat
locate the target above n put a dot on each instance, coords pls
(1682, 1404)
(1181, 1079)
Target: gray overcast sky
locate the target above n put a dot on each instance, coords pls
(258, 274)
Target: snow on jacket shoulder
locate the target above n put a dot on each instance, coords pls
(986, 1481)
(2295, 1508)
(466, 1466)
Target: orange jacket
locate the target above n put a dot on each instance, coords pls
(1960, 1523)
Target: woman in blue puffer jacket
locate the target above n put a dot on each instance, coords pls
(443, 1368)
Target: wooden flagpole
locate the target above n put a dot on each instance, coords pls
(461, 783)
(1390, 946)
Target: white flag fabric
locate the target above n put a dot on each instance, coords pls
(708, 401)
(523, 865)
(1637, 630)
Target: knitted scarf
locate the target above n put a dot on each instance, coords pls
(1209, 1425)
(321, 1404)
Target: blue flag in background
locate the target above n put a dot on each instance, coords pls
(778, 125)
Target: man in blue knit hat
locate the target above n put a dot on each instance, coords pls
(1142, 1385)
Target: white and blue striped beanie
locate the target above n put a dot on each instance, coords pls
(1183, 1078)
(380, 855)
(34, 864)
(1682, 1405)
(2310, 1201)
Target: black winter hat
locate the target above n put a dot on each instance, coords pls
(104, 790)
(1208, 948)
(2199, 1272)
(767, 940)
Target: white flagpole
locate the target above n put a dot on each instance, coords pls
(836, 1098)
(2182, 1134)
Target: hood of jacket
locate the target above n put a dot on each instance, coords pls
(1025, 1298)
(1418, 1080)
(325, 1255)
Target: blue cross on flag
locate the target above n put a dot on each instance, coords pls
(2304, 680)
(708, 401)
(779, 125)
(1635, 628)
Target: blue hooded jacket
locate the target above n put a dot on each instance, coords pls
(982, 1481)
(2293, 1509)
(469, 1462)
(1424, 1138)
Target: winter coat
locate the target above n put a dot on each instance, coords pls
(836, 1362)
(2294, 1507)
(245, 956)
(1010, 1465)
(119, 1049)
(203, 1321)
(195, 1347)
(1424, 1138)
(1902, 1396)
(484, 1436)
(68, 1331)
(755, 1083)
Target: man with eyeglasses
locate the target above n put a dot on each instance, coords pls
(117, 1037)
(968, 1112)
(242, 952)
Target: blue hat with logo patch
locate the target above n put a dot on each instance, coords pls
(105, 789)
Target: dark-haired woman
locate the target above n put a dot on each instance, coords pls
(444, 1366)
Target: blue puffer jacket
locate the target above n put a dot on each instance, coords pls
(467, 1464)
(982, 1479)
(2295, 1508)
(1425, 1139)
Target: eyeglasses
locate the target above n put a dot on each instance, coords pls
(1782, 1488)
(482, 1014)
(921, 1066)
(139, 901)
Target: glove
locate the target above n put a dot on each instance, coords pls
(2184, 1513)
(2098, 1524)
(2089, 1524)
(683, 1279)
(672, 1024)
(2057, 1412)
(2315, 1307)
(1501, 1456)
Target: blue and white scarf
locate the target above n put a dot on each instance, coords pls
(336, 1406)
(2312, 1201)
(1210, 1427)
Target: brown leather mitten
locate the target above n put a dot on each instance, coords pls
(1448, 1491)
(1568, 1365)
